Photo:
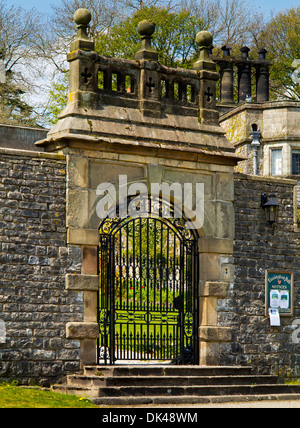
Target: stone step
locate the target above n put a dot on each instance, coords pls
(166, 370)
(118, 381)
(165, 384)
(80, 391)
(158, 400)
(198, 391)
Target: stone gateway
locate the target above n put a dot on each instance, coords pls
(78, 288)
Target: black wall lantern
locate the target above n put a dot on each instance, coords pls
(270, 207)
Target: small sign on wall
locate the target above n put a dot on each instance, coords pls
(274, 317)
(280, 292)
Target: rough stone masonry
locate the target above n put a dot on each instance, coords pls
(34, 259)
(257, 247)
(49, 232)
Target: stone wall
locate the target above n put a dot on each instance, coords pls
(45, 283)
(257, 247)
(34, 258)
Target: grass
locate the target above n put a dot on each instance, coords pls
(12, 396)
(292, 381)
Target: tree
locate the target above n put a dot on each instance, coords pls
(281, 38)
(174, 38)
(17, 51)
(12, 108)
(114, 29)
(231, 22)
(57, 98)
(105, 14)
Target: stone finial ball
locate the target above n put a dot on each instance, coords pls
(146, 28)
(82, 17)
(204, 38)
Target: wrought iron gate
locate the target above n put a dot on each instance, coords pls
(148, 303)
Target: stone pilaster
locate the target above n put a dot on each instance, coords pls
(208, 75)
(88, 330)
(211, 335)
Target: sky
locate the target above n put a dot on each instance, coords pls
(266, 6)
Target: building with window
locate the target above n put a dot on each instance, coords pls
(267, 135)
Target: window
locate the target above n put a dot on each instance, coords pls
(296, 162)
(276, 162)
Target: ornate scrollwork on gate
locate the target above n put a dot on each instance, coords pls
(148, 285)
(107, 225)
(188, 324)
(151, 207)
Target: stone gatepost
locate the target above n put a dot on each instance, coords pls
(152, 124)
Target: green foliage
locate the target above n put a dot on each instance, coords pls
(58, 98)
(174, 38)
(282, 40)
(13, 109)
(19, 32)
